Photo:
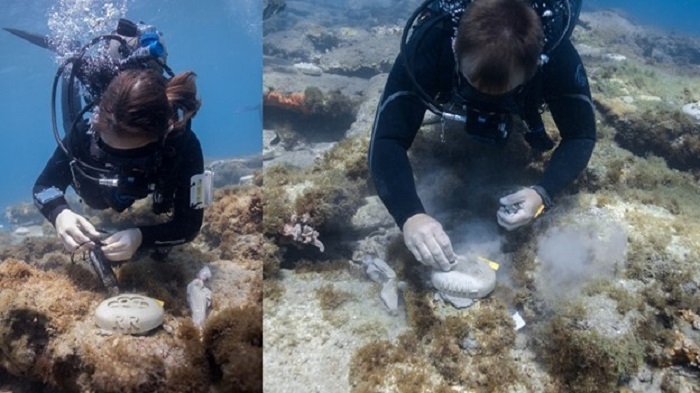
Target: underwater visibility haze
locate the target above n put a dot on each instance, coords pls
(220, 40)
(601, 293)
(677, 16)
(193, 301)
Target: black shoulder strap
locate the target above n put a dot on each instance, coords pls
(76, 137)
(558, 20)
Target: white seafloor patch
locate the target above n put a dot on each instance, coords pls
(307, 351)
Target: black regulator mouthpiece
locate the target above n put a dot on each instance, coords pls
(104, 271)
(492, 128)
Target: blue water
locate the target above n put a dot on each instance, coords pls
(221, 40)
(680, 16)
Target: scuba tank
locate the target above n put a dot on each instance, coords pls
(83, 78)
(131, 46)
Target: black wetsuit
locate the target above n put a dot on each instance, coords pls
(562, 83)
(182, 158)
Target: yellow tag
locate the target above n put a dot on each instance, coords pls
(539, 211)
(160, 302)
(493, 265)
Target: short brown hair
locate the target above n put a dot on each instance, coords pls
(143, 104)
(499, 42)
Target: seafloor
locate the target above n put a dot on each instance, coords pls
(607, 282)
(49, 341)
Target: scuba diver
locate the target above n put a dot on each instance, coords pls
(137, 141)
(482, 63)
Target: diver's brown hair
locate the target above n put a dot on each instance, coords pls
(498, 43)
(143, 104)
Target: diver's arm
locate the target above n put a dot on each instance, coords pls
(186, 221)
(398, 119)
(51, 185)
(399, 116)
(568, 95)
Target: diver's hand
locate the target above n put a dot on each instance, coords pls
(75, 230)
(427, 241)
(122, 245)
(519, 208)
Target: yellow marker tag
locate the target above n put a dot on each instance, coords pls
(160, 302)
(493, 265)
(539, 211)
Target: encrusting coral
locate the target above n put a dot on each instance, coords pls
(469, 351)
(684, 352)
(669, 134)
(290, 101)
(234, 339)
(233, 225)
(52, 339)
(331, 298)
(300, 205)
(329, 191)
(586, 357)
(311, 102)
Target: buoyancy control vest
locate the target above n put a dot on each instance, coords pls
(121, 178)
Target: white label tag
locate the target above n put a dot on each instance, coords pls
(519, 321)
(201, 190)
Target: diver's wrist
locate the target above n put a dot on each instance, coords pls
(52, 215)
(544, 195)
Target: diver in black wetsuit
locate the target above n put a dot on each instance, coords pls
(492, 59)
(137, 142)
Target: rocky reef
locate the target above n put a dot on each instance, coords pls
(606, 282)
(49, 340)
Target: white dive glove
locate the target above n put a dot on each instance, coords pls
(75, 230)
(519, 208)
(427, 241)
(122, 245)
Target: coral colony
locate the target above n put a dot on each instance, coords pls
(300, 232)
